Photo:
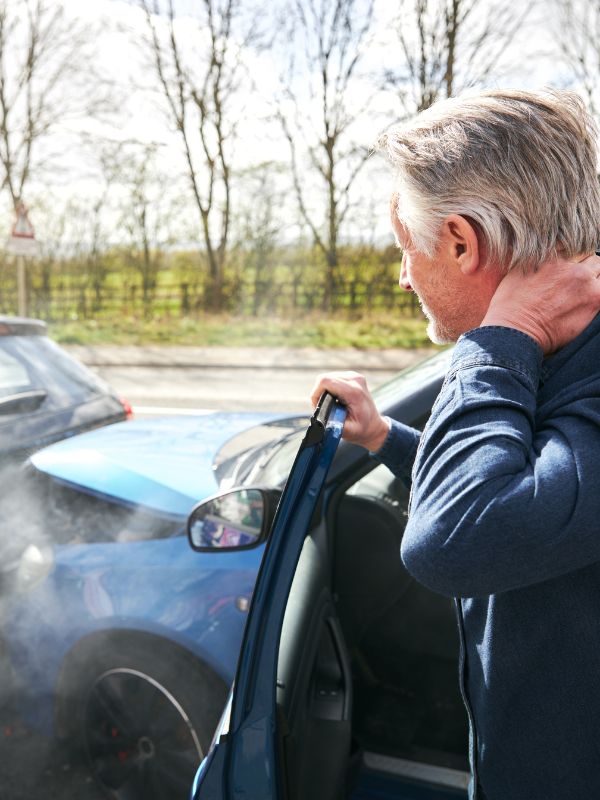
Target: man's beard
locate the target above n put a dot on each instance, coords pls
(440, 334)
(438, 331)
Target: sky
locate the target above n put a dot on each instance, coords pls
(139, 114)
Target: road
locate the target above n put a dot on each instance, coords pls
(179, 389)
(182, 379)
(34, 766)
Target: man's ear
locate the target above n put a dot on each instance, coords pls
(460, 243)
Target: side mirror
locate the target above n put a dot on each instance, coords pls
(237, 520)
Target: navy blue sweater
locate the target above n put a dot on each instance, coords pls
(505, 516)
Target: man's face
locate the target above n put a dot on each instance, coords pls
(435, 286)
(452, 301)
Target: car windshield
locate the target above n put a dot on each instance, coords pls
(411, 378)
(263, 454)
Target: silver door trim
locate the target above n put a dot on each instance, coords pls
(443, 776)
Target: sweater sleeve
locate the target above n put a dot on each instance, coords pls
(499, 499)
(399, 449)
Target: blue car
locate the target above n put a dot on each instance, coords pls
(126, 641)
(121, 639)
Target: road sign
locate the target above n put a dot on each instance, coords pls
(21, 241)
(22, 229)
(21, 247)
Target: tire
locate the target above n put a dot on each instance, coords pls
(142, 714)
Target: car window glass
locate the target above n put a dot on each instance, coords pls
(47, 367)
(14, 377)
(273, 467)
(261, 453)
(379, 484)
(410, 377)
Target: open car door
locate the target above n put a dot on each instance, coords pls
(271, 743)
(346, 682)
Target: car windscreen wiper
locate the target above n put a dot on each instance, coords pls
(23, 401)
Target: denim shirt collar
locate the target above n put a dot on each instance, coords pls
(556, 361)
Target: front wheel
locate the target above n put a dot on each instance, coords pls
(144, 718)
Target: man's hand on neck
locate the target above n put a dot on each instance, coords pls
(553, 305)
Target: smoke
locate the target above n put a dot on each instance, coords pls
(37, 514)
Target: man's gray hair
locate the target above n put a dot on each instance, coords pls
(520, 165)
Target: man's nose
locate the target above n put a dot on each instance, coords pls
(404, 282)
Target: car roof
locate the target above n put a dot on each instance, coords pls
(22, 326)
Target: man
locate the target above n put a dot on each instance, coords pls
(497, 211)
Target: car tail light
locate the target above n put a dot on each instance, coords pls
(126, 407)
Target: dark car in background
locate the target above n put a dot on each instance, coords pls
(45, 394)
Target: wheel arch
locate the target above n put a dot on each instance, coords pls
(86, 648)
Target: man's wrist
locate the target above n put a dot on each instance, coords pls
(376, 442)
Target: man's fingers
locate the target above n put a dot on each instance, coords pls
(586, 258)
(364, 425)
(344, 385)
(592, 265)
(552, 304)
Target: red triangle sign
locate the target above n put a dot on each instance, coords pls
(22, 229)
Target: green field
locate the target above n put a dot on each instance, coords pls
(373, 331)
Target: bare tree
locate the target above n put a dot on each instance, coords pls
(148, 214)
(74, 255)
(449, 45)
(578, 37)
(259, 224)
(80, 232)
(42, 59)
(318, 112)
(199, 88)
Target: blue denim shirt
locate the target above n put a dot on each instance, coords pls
(505, 516)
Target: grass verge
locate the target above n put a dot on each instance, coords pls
(370, 332)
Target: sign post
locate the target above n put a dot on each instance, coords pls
(21, 243)
(21, 287)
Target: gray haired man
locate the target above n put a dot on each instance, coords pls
(497, 210)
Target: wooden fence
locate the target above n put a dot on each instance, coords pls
(62, 300)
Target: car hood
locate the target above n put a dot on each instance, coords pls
(164, 464)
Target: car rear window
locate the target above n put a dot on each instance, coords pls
(36, 362)
(14, 376)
